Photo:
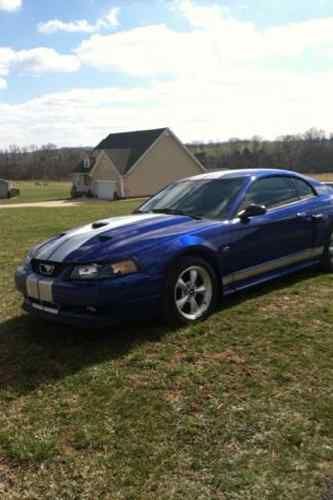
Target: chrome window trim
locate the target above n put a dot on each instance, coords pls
(308, 197)
(285, 205)
(289, 204)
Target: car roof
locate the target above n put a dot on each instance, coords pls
(252, 172)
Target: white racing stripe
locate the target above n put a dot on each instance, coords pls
(32, 286)
(57, 250)
(45, 290)
(39, 288)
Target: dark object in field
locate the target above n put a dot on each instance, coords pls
(328, 495)
(13, 192)
(75, 193)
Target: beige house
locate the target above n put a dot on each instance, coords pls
(133, 164)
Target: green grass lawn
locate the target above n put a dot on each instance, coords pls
(236, 408)
(46, 191)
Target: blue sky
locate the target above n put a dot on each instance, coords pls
(72, 71)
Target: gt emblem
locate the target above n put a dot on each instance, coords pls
(46, 269)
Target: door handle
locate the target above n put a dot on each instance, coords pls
(317, 217)
(302, 215)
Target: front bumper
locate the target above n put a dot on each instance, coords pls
(89, 304)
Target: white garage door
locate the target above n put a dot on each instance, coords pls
(105, 189)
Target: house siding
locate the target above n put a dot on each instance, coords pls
(104, 170)
(166, 162)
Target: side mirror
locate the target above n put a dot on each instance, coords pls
(252, 211)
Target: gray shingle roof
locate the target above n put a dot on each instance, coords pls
(126, 148)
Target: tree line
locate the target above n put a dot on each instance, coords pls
(311, 152)
(47, 162)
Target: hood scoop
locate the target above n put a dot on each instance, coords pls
(99, 224)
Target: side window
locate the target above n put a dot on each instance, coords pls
(304, 189)
(271, 192)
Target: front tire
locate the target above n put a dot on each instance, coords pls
(327, 259)
(191, 291)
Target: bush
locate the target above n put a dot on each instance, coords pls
(13, 192)
(74, 192)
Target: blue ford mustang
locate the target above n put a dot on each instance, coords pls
(198, 239)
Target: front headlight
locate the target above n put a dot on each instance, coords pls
(102, 271)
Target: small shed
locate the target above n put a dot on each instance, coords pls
(4, 189)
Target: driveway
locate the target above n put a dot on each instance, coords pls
(42, 204)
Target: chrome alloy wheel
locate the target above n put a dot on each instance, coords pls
(193, 292)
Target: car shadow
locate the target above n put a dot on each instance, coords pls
(34, 352)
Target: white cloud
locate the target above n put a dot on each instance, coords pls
(6, 56)
(10, 5)
(56, 25)
(45, 60)
(220, 78)
(110, 20)
(3, 84)
(216, 43)
(267, 105)
(200, 16)
(151, 50)
(38, 60)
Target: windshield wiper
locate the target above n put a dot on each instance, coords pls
(173, 211)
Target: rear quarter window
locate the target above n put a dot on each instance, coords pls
(304, 190)
(271, 192)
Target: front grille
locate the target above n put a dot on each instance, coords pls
(47, 268)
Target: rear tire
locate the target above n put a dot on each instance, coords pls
(191, 291)
(327, 258)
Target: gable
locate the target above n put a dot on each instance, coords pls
(170, 140)
(104, 168)
(168, 161)
(129, 147)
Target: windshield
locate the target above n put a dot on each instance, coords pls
(196, 198)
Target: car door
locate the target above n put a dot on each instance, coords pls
(269, 243)
(316, 210)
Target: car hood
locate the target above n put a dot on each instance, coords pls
(119, 235)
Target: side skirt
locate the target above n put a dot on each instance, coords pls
(230, 289)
